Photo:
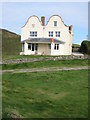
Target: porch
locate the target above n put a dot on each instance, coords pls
(39, 46)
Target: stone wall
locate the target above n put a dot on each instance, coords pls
(23, 60)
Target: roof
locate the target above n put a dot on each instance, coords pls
(43, 40)
(47, 21)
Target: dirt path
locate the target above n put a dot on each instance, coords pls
(44, 69)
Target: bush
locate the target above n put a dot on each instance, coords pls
(85, 47)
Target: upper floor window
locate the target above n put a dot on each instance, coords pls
(57, 33)
(33, 34)
(50, 33)
(55, 23)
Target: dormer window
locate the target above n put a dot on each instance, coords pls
(55, 23)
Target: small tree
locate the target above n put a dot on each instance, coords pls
(85, 47)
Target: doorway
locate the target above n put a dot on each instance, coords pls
(32, 47)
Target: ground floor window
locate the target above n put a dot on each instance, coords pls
(56, 46)
(29, 46)
(36, 46)
(32, 47)
(23, 47)
(49, 45)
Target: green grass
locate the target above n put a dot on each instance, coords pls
(61, 94)
(50, 63)
(14, 57)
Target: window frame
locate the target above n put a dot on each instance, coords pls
(50, 33)
(56, 47)
(57, 33)
(33, 33)
(55, 23)
(49, 45)
(36, 46)
(29, 46)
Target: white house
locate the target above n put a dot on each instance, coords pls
(54, 38)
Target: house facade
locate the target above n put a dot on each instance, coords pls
(54, 38)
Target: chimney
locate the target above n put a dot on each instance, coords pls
(43, 20)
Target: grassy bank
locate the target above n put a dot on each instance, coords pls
(52, 95)
(11, 44)
(50, 63)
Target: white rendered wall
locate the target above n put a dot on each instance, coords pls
(25, 31)
(65, 36)
(44, 49)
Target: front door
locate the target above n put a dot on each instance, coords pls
(32, 47)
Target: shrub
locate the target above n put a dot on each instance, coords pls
(85, 47)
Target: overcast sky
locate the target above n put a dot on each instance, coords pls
(15, 15)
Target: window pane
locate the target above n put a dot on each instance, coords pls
(23, 47)
(35, 34)
(50, 33)
(36, 47)
(58, 34)
(29, 46)
(32, 47)
(57, 46)
(49, 46)
(55, 23)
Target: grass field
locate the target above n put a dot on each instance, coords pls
(61, 94)
(50, 63)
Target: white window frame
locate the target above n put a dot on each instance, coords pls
(23, 47)
(57, 33)
(55, 23)
(50, 33)
(56, 47)
(33, 33)
(29, 46)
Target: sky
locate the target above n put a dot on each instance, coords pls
(15, 15)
